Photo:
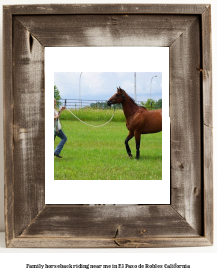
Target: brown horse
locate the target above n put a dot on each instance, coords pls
(139, 120)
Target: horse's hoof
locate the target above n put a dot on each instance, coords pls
(130, 155)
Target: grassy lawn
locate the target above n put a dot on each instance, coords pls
(99, 153)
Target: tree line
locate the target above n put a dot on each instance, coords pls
(150, 104)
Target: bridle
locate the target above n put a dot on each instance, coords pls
(123, 96)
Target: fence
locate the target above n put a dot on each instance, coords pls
(99, 104)
(77, 104)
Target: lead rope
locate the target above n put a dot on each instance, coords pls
(88, 124)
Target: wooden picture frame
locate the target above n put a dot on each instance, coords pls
(186, 30)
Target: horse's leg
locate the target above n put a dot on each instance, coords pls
(137, 138)
(130, 136)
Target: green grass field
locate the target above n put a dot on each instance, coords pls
(99, 153)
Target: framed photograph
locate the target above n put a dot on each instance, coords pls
(95, 153)
(108, 38)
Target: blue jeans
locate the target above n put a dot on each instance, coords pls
(62, 136)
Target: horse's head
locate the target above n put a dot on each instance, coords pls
(117, 98)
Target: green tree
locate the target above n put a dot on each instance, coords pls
(158, 104)
(149, 104)
(99, 105)
(104, 105)
(57, 95)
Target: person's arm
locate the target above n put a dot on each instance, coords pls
(57, 116)
(62, 108)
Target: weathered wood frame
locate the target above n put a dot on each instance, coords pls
(186, 29)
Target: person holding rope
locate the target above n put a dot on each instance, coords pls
(58, 131)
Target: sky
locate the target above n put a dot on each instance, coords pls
(102, 85)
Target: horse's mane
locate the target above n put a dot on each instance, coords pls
(133, 100)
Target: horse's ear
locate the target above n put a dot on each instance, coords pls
(119, 87)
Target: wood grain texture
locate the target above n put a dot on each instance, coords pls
(109, 222)
(208, 182)
(207, 67)
(186, 30)
(207, 119)
(107, 30)
(8, 125)
(63, 9)
(29, 117)
(34, 242)
(185, 111)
